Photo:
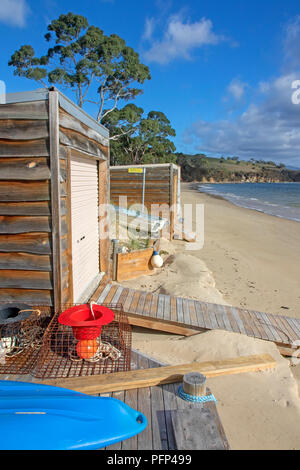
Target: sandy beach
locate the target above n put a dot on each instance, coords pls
(251, 260)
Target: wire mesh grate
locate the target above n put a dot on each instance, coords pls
(60, 355)
(21, 333)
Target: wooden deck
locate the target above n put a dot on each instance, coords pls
(159, 404)
(187, 316)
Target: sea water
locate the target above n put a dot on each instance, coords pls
(278, 199)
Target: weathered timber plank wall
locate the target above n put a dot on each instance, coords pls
(25, 204)
(37, 139)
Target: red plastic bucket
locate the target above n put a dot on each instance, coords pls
(81, 319)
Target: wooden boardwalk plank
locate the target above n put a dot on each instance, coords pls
(201, 315)
(212, 316)
(161, 309)
(160, 306)
(111, 293)
(117, 295)
(186, 311)
(104, 293)
(233, 323)
(265, 326)
(238, 320)
(179, 308)
(173, 309)
(141, 303)
(193, 313)
(126, 305)
(167, 310)
(147, 304)
(291, 336)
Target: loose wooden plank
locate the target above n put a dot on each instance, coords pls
(160, 325)
(196, 429)
(25, 261)
(24, 191)
(164, 375)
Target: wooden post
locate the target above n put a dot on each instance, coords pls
(171, 198)
(194, 384)
(55, 197)
(115, 252)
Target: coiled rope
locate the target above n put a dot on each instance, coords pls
(194, 398)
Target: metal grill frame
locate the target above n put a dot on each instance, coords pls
(56, 356)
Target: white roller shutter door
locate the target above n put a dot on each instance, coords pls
(85, 230)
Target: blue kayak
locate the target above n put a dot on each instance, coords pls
(42, 417)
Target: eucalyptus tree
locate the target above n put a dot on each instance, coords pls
(138, 138)
(100, 69)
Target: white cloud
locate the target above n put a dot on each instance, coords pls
(237, 88)
(14, 12)
(149, 28)
(292, 42)
(180, 39)
(269, 130)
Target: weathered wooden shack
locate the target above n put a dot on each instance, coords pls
(149, 185)
(54, 177)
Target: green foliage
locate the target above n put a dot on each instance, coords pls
(138, 138)
(100, 69)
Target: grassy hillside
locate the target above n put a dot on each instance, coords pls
(208, 169)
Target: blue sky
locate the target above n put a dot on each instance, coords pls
(221, 71)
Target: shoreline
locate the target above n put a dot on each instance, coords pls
(196, 186)
(254, 256)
